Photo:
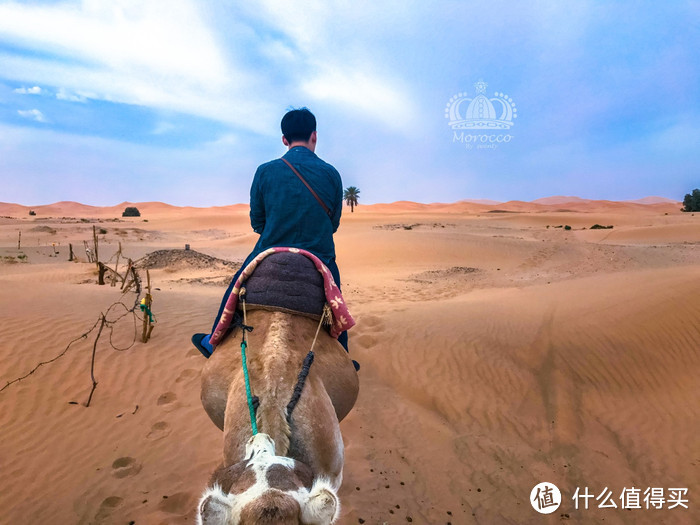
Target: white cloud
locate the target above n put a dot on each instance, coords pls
(63, 94)
(163, 54)
(36, 90)
(325, 41)
(167, 38)
(375, 96)
(159, 54)
(33, 114)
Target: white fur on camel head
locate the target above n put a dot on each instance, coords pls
(268, 489)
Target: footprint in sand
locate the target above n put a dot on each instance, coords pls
(372, 322)
(126, 466)
(167, 401)
(178, 503)
(159, 430)
(187, 374)
(365, 340)
(107, 507)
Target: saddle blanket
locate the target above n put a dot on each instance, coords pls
(288, 282)
(341, 318)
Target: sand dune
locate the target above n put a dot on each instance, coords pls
(498, 350)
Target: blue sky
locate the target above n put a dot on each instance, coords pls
(179, 101)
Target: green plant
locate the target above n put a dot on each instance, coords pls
(350, 196)
(691, 201)
(32, 212)
(131, 211)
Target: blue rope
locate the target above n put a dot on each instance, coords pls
(248, 394)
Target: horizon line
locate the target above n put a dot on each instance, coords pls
(650, 199)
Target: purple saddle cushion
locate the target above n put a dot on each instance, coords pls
(286, 280)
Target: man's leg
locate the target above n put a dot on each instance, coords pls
(225, 298)
(201, 341)
(333, 267)
(343, 340)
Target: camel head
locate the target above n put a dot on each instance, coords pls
(267, 489)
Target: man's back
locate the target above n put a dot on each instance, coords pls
(285, 213)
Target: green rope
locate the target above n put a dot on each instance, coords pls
(247, 387)
(146, 309)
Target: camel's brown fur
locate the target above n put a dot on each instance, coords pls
(276, 350)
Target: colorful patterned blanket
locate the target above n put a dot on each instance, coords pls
(342, 320)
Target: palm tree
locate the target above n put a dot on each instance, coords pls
(350, 196)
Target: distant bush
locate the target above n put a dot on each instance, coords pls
(600, 227)
(32, 212)
(567, 227)
(102, 231)
(691, 202)
(131, 212)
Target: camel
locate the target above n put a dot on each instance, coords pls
(290, 472)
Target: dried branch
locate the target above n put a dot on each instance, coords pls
(103, 321)
(92, 365)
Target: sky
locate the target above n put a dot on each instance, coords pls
(105, 101)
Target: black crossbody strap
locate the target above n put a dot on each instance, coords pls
(323, 204)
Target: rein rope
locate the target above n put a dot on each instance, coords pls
(253, 401)
(244, 344)
(308, 361)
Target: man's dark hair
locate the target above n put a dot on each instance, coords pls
(298, 125)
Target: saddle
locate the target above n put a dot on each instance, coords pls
(286, 281)
(289, 285)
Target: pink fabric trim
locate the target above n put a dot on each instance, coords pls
(342, 320)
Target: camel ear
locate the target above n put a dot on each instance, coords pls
(214, 508)
(323, 505)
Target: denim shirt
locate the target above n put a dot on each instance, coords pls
(285, 213)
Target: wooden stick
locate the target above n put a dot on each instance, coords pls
(126, 275)
(137, 281)
(92, 366)
(101, 268)
(94, 237)
(70, 256)
(147, 328)
(116, 265)
(19, 240)
(88, 251)
(113, 274)
(144, 334)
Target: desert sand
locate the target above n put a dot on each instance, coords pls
(498, 350)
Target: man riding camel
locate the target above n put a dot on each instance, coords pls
(295, 201)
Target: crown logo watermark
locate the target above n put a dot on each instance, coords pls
(481, 122)
(481, 113)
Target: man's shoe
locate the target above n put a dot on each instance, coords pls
(201, 341)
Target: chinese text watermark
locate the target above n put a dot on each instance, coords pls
(546, 497)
